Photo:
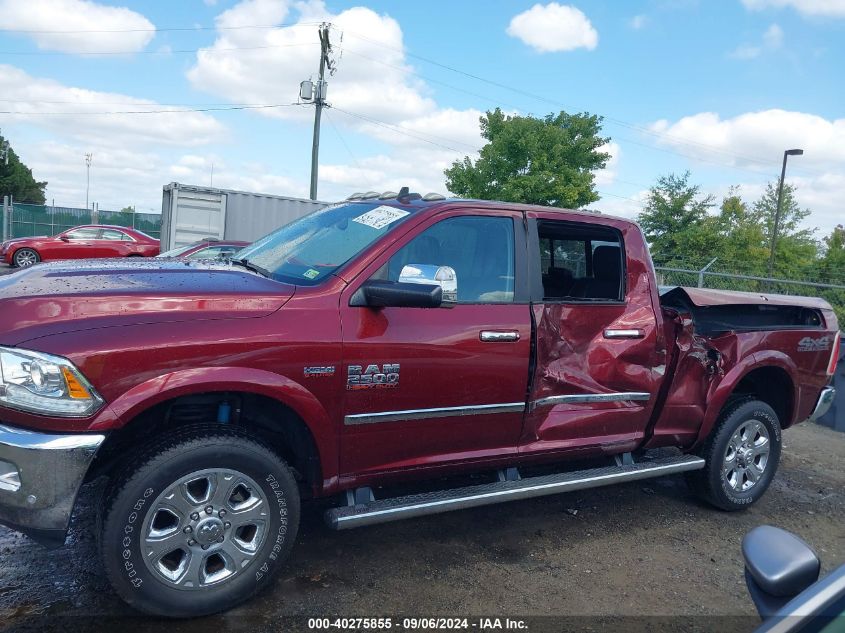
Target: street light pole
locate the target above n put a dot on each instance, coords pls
(88, 158)
(773, 245)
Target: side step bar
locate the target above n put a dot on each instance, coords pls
(394, 509)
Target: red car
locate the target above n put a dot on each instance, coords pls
(80, 242)
(210, 248)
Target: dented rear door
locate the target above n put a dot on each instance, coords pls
(600, 358)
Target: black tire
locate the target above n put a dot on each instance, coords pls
(25, 257)
(135, 503)
(722, 480)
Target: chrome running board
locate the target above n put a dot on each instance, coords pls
(396, 508)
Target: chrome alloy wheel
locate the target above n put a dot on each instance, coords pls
(746, 456)
(25, 257)
(205, 528)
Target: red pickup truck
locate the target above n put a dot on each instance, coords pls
(375, 352)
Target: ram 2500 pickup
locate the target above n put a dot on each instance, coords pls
(367, 347)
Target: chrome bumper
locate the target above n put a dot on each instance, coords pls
(40, 476)
(823, 405)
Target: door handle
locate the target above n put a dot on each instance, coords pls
(491, 336)
(624, 333)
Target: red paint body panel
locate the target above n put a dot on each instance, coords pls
(145, 332)
(56, 248)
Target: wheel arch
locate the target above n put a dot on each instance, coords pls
(770, 377)
(276, 409)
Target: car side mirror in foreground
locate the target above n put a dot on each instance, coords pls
(778, 566)
(384, 294)
(64, 238)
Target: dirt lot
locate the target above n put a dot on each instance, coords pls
(642, 549)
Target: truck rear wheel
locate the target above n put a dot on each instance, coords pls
(199, 525)
(741, 455)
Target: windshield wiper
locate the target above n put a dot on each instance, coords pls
(250, 266)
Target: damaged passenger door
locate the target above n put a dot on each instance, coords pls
(600, 352)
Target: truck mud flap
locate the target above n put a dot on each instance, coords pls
(396, 508)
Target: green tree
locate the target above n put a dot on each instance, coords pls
(796, 248)
(675, 221)
(548, 161)
(742, 244)
(832, 270)
(128, 209)
(16, 180)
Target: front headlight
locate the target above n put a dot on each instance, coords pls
(45, 384)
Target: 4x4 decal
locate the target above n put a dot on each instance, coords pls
(810, 344)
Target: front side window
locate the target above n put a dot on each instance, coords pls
(83, 234)
(581, 262)
(480, 249)
(308, 250)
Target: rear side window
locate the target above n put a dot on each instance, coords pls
(581, 262)
(111, 234)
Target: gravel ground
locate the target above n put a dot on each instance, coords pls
(646, 549)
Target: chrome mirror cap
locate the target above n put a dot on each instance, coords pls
(443, 276)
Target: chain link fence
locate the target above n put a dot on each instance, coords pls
(27, 220)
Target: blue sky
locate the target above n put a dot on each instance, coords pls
(719, 87)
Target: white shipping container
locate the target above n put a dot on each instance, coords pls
(190, 213)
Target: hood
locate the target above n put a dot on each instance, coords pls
(60, 297)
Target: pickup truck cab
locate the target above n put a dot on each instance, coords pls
(379, 341)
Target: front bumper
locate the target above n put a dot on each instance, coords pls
(40, 476)
(824, 403)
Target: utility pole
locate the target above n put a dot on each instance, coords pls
(318, 94)
(773, 245)
(88, 158)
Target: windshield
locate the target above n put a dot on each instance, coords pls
(175, 252)
(307, 250)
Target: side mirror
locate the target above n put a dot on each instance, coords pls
(778, 566)
(64, 238)
(384, 294)
(443, 276)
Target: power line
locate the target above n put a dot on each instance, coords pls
(420, 136)
(155, 29)
(220, 109)
(207, 49)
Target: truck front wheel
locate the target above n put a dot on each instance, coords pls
(741, 455)
(200, 524)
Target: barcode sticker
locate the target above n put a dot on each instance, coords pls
(380, 217)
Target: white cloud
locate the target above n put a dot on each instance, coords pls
(607, 176)
(73, 23)
(773, 37)
(553, 27)
(33, 100)
(371, 79)
(764, 135)
(757, 140)
(638, 22)
(372, 93)
(771, 40)
(813, 8)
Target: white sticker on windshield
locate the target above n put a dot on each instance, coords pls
(380, 217)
